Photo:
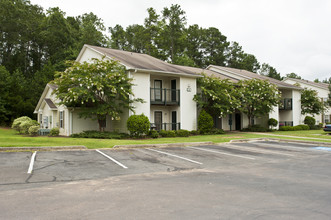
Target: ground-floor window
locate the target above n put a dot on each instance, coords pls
(61, 119)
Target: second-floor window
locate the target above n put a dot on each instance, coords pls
(158, 90)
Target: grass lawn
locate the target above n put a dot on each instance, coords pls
(10, 138)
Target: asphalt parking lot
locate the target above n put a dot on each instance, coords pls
(255, 180)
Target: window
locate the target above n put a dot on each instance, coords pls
(61, 119)
(50, 121)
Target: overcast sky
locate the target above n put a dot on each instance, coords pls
(290, 35)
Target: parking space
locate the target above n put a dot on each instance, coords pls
(259, 179)
(63, 166)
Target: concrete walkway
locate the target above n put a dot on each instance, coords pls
(279, 135)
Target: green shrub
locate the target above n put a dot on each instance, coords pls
(194, 132)
(138, 125)
(286, 128)
(153, 134)
(255, 128)
(315, 127)
(182, 133)
(25, 125)
(54, 132)
(272, 122)
(310, 121)
(18, 121)
(302, 127)
(164, 133)
(33, 130)
(171, 134)
(205, 122)
(320, 125)
(100, 135)
(217, 131)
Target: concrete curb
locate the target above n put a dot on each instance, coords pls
(51, 148)
(162, 145)
(281, 140)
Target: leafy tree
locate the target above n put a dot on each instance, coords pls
(217, 97)
(327, 80)
(100, 88)
(293, 75)
(316, 80)
(152, 26)
(172, 38)
(311, 103)
(118, 37)
(214, 45)
(267, 70)
(194, 37)
(234, 55)
(258, 97)
(91, 30)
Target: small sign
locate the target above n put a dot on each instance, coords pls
(189, 88)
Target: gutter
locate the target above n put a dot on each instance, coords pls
(164, 72)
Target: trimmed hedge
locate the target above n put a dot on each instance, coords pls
(272, 122)
(310, 121)
(255, 128)
(205, 122)
(138, 125)
(153, 134)
(54, 132)
(22, 124)
(182, 133)
(294, 128)
(100, 135)
(33, 130)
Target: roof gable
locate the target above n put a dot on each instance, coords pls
(310, 83)
(245, 75)
(141, 62)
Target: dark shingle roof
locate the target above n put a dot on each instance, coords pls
(50, 103)
(319, 84)
(144, 61)
(251, 75)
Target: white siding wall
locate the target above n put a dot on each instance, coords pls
(188, 107)
(141, 89)
(296, 107)
(88, 55)
(275, 114)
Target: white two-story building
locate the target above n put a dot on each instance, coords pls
(287, 113)
(322, 90)
(167, 90)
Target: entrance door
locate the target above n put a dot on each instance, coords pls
(158, 90)
(158, 120)
(238, 121)
(173, 90)
(174, 120)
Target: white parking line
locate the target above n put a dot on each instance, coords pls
(32, 162)
(112, 159)
(218, 152)
(173, 155)
(258, 150)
